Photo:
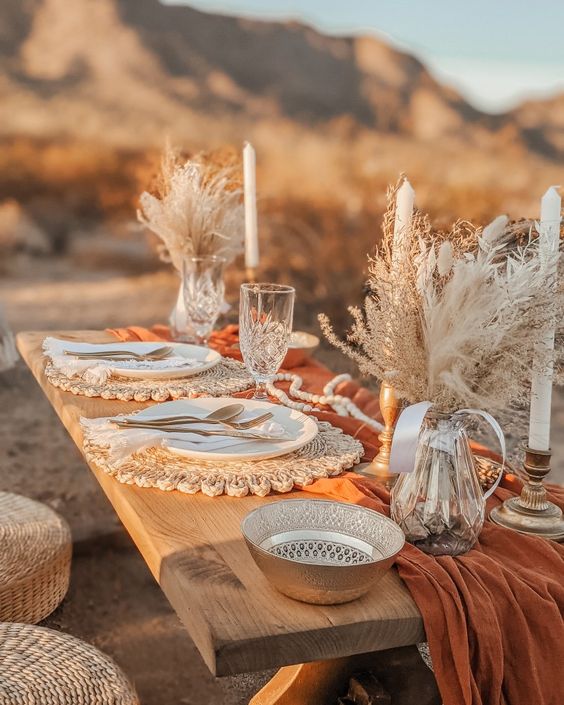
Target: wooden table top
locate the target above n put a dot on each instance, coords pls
(194, 549)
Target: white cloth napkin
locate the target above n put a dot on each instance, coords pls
(98, 371)
(124, 442)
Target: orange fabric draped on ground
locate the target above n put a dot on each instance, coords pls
(494, 617)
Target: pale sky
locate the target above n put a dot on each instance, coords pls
(497, 52)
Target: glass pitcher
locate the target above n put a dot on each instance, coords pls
(440, 505)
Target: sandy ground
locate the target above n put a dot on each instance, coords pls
(113, 601)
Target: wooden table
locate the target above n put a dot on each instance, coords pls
(194, 549)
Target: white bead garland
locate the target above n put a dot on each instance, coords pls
(340, 404)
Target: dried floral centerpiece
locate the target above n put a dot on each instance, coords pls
(196, 210)
(452, 320)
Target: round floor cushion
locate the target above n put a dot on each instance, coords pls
(35, 559)
(40, 666)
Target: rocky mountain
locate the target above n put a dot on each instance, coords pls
(125, 70)
(542, 124)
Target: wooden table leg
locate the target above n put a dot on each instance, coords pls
(318, 682)
(401, 671)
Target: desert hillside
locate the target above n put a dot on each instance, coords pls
(122, 71)
(90, 90)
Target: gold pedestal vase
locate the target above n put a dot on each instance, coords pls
(390, 407)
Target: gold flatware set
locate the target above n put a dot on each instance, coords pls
(223, 417)
(157, 354)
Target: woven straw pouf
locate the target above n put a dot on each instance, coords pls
(35, 559)
(39, 666)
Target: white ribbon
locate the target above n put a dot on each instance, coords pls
(406, 438)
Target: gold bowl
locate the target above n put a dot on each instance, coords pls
(319, 551)
(300, 347)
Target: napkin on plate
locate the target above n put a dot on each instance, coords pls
(123, 442)
(98, 371)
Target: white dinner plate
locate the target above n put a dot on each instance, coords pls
(205, 357)
(301, 428)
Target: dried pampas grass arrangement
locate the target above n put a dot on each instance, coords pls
(197, 207)
(453, 318)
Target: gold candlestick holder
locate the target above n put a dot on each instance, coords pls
(251, 274)
(531, 512)
(390, 406)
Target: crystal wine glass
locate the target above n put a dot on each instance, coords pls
(204, 292)
(265, 325)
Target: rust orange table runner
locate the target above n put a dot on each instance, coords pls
(494, 617)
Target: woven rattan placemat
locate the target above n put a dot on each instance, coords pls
(328, 454)
(226, 378)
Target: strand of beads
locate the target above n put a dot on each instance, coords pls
(329, 391)
(340, 404)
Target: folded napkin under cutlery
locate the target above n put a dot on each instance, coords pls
(99, 371)
(123, 442)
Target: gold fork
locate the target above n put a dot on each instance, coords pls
(173, 420)
(157, 354)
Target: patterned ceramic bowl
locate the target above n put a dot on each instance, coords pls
(320, 551)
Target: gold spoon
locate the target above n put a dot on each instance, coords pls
(223, 414)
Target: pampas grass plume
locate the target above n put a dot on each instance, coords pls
(456, 318)
(197, 211)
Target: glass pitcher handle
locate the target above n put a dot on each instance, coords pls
(500, 437)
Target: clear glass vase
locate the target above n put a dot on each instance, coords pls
(440, 505)
(200, 299)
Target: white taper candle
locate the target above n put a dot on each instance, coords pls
(405, 198)
(250, 191)
(541, 385)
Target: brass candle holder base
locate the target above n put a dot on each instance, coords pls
(379, 468)
(251, 275)
(531, 513)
